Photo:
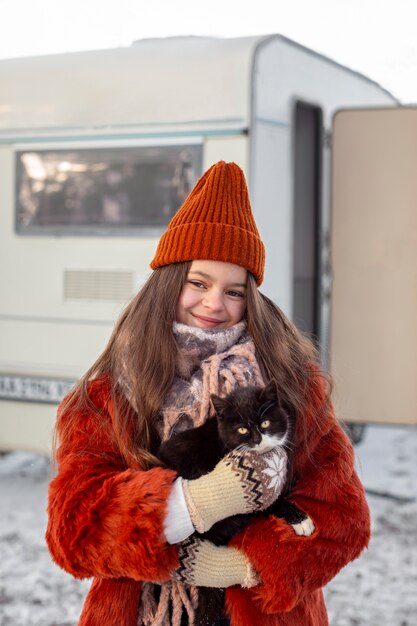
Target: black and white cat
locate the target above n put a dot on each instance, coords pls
(249, 418)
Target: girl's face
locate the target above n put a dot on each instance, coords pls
(214, 295)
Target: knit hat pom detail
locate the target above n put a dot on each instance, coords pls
(215, 223)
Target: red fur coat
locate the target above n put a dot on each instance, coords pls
(106, 522)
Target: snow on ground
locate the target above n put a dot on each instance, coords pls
(379, 589)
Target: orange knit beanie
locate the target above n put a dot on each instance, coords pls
(215, 223)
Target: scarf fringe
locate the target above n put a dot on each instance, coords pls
(181, 596)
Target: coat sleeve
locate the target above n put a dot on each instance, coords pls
(329, 490)
(103, 519)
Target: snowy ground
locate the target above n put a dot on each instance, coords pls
(379, 589)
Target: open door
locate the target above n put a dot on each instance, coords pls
(373, 339)
(307, 222)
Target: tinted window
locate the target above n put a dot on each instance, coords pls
(103, 190)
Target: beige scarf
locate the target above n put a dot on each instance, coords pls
(210, 361)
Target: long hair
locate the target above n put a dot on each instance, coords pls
(140, 358)
(139, 364)
(287, 357)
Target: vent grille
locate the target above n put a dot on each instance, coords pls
(98, 285)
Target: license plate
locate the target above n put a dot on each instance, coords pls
(34, 388)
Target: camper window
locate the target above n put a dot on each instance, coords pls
(103, 190)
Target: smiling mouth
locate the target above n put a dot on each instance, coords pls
(208, 320)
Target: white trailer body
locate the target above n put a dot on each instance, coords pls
(264, 102)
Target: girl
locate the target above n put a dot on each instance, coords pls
(199, 326)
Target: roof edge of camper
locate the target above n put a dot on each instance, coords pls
(257, 40)
(266, 38)
(184, 85)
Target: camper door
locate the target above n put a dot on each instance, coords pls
(373, 351)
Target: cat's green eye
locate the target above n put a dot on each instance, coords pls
(265, 424)
(242, 430)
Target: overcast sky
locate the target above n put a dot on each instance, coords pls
(375, 37)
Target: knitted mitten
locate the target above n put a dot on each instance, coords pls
(205, 565)
(240, 483)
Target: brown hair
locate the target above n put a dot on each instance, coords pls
(287, 357)
(140, 357)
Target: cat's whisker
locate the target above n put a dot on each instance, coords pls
(288, 445)
(238, 452)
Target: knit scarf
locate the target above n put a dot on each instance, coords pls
(209, 361)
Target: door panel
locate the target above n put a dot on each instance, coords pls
(374, 261)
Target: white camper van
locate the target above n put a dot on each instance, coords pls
(97, 152)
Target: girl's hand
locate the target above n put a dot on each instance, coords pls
(205, 565)
(240, 483)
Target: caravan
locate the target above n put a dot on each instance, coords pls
(98, 150)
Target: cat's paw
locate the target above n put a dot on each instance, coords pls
(304, 528)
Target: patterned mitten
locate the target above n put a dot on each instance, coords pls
(240, 483)
(205, 565)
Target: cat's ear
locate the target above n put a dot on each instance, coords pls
(220, 404)
(269, 392)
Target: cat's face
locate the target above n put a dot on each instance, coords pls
(252, 418)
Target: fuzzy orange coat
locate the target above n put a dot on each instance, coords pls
(106, 522)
